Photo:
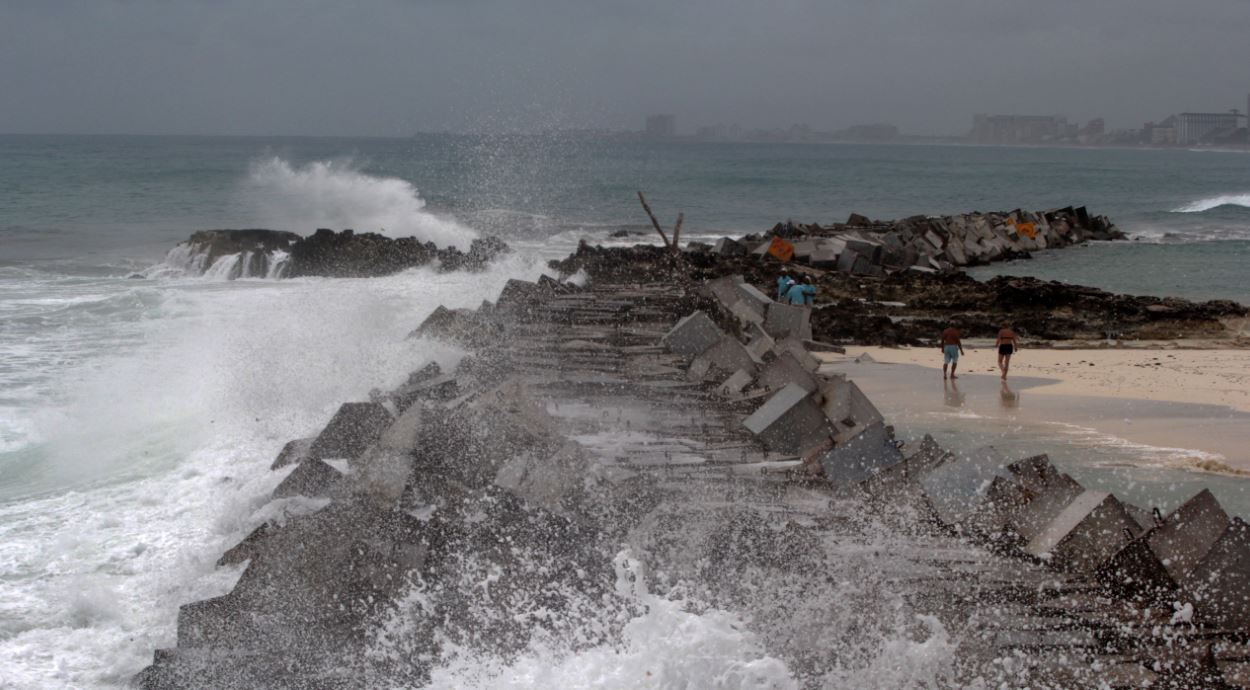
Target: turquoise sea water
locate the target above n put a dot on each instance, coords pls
(138, 417)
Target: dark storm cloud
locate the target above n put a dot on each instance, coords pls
(395, 66)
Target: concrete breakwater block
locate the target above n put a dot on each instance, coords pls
(729, 355)
(1045, 506)
(310, 478)
(783, 370)
(1219, 585)
(736, 383)
(294, 451)
(457, 325)
(860, 453)
(1087, 532)
(724, 291)
(789, 421)
(692, 335)
(955, 489)
(352, 429)
(788, 320)
(799, 351)
(753, 299)
(845, 405)
(1156, 564)
(440, 388)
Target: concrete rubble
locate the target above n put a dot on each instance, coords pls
(922, 243)
(739, 468)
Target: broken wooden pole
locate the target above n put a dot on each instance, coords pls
(654, 223)
(677, 231)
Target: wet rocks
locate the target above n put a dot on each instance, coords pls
(260, 253)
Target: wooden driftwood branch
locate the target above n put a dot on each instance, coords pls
(654, 223)
(677, 230)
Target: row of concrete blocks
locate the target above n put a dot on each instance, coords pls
(829, 420)
(1196, 555)
(360, 429)
(926, 244)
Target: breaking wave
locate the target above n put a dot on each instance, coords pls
(1201, 205)
(337, 195)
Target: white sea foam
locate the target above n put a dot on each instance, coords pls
(338, 195)
(665, 645)
(1208, 203)
(146, 452)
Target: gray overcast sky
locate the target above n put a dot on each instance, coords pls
(392, 67)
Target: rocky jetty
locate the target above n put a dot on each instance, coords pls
(472, 511)
(231, 254)
(911, 307)
(865, 247)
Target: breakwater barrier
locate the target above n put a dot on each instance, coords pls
(921, 243)
(479, 508)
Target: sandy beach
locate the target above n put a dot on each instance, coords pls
(1206, 377)
(1164, 421)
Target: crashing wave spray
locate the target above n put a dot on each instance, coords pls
(338, 195)
(1211, 202)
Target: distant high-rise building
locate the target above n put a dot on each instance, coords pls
(661, 126)
(1195, 128)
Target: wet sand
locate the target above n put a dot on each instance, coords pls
(1157, 451)
(1206, 377)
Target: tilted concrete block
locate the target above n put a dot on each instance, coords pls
(825, 258)
(727, 246)
(1045, 507)
(753, 298)
(788, 320)
(1034, 473)
(736, 383)
(789, 421)
(745, 313)
(293, 452)
(956, 488)
(784, 370)
(803, 250)
(846, 406)
(798, 349)
(1086, 533)
(724, 291)
(860, 453)
(458, 325)
(1155, 564)
(871, 251)
(699, 369)
(760, 344)
(352, 429)
(1219, 586)
(730, 355)
(692, 335)
(311, 478)
(846, 260)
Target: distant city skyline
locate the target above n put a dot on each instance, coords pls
(394, 67)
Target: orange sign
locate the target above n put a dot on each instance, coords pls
(783, 250)
(1026, 229)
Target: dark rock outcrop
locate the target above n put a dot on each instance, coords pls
(256, 253)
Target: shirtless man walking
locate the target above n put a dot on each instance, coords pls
(1007, 345)
(952, 347)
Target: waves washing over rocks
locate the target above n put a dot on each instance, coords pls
(338, 194)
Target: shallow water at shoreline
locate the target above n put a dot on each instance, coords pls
(1151, 453)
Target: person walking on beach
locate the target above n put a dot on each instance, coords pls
(952, 348)
(1007, 345)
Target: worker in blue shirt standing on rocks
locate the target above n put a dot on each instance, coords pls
(783, 284)
(803, 294)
